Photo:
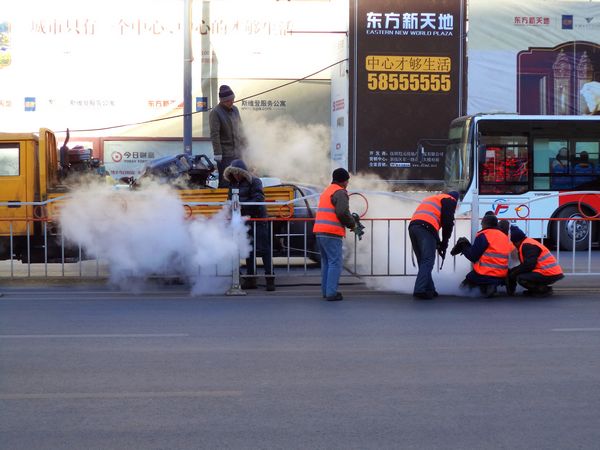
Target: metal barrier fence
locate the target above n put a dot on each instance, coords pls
(384, 251)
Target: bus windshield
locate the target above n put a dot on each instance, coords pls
(458, 163)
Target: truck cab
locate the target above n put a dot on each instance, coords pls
(28, 174)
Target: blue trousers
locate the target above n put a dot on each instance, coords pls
(424, 245)
(331, 249)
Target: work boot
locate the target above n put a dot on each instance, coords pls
(488, 290)
(511, 286)
(270, 284)
(248, 283)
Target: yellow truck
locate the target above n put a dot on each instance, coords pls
(32, 173)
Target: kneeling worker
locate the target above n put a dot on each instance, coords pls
(489, 254)
(538, 269)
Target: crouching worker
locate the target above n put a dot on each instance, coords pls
(538, 269)
(489, 254)
(251, 190)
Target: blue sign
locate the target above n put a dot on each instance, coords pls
(567, 22)
(201, 104)
(29, 103)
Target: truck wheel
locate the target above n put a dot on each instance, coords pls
(572, 229)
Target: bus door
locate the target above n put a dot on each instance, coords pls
(13, 187)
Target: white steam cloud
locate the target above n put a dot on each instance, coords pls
(145, 233)
(292, 152)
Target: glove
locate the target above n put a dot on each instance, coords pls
(460, 245)
(218, 158)
(441, 248)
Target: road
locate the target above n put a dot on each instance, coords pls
(85, 367)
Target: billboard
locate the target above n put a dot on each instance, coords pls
(406, 86)
(543, 57)
(107, 64)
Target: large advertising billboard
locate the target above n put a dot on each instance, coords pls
(102, 64)
(534, 57)
(406, 86)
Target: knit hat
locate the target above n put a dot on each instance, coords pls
(454, 194)
(225, 93)
(340, 175)
(489, 221)
(516, 234)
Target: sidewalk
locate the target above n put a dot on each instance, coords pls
(308, 285)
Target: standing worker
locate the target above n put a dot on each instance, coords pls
(490, 254)
(538, 269)
(332, 218)
(226, 132)
(434, 212)
(251, 190)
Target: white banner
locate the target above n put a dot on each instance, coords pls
(101, 63)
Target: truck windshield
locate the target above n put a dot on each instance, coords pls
(457, 173)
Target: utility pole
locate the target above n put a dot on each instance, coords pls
(187, 76)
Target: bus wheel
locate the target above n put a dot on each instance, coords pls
(573, 229)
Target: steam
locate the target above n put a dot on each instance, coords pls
(386, 248)
(292, 152)
(145, 233)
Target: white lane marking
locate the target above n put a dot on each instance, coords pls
(96, 336)
(575, 329)
(101, 395)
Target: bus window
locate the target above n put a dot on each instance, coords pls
(504, 165)
(585, 169)
(551, 164)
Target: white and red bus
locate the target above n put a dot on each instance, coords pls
(530, 167)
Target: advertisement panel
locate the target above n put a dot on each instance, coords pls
(406, 86)
(96, 64)
(543, 57)
(127, 158)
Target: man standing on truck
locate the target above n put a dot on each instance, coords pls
(226, 132)
(434, 212)
(332, 218)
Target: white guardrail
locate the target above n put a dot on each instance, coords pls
(384, 250)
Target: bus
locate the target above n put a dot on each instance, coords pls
(530, 167)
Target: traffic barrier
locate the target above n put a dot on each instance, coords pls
(385, 250)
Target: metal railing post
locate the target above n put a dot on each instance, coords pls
(236, 216)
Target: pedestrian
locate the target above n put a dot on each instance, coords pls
(251, 190)
(490, 254)
(538, 268)
(226, 132)
(332, 218)
(433, 213)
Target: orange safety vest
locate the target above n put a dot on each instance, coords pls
(546, 264)
(494, 261)
(326, 221)
(430, 210)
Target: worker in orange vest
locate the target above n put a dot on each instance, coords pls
(332, 218)
(433, 213)
(538, 269)
(489, 254)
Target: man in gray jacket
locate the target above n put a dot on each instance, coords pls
(226, 132)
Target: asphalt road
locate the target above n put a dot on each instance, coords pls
(89, 368)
